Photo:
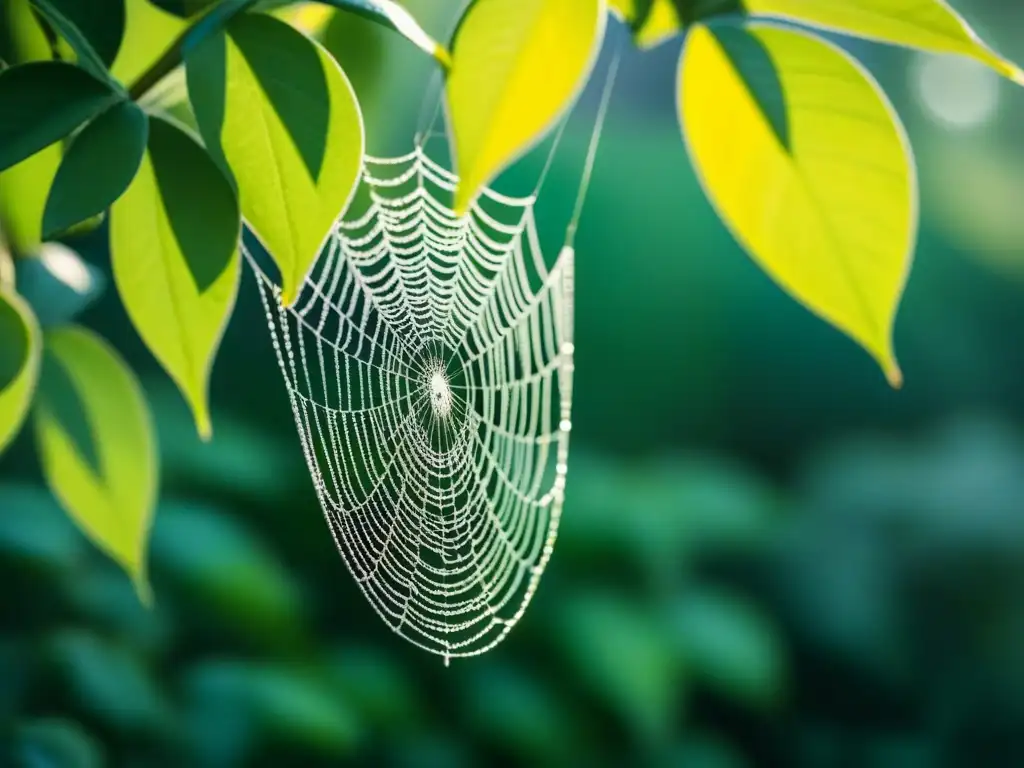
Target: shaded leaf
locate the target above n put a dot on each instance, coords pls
(226, 567)
(730, 645)
(149, 31)
(517, 66)
(101, 23)
(184, 8)
(59, 284)
(70, 42)
(97, 167)
(54, 742)
(174, 252)
(20, 354)
(808, 165)
(110, 494)
(624, 655)
(42, 102)
(930, 25)
(110, 680)
(261, 703)
(280, 113)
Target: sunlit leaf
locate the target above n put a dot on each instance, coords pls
(313, 17)
(97, 167)
(149, 31)
(20, 353)
(23, 191)
(97, 446)
(652, 21)
(42, 102)
(808, 165)
(931, 25)
(277, 109)
(22, 38)
(6, 266)
(517, 66)
(174, 252)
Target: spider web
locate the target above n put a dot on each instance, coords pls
(429, 362)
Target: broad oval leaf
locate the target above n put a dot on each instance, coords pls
(277, 110)
(517, 66)
(100, 23)
(808, 165)
(149, 31)
(97, 446)
(42, 102)
(930, 25)
(98, 166)
(20, 353)
(174, 252)
(23, 191)
(22, 38)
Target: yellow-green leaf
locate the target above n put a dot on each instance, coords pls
(24, 187)
(517, 66)
(277, 110)
(174, 252)
(149, 31)
(97, 446)
(930, 25)
(20, 353)
(808, 165)
(23, 192)
(653, 21)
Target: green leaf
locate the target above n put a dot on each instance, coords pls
(54, 742)
(20, 353)
(42, 102)
(23, 191)
(6, 266)
(97, 168)
(100, 22)
(97, 446)
(808, 165)
(384, 12)
(517, 66)
(184, 9)
(174, 251)
(930, 25)
(276, 109)
(148, 33)
(730, 645)
(236, 576)
(22, 38)
(92, 29)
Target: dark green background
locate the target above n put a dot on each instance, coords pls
(768, 557)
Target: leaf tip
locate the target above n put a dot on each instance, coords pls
(143, 589)
(894, 375)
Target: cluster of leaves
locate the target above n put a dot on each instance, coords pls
(794, 143)
(257, 655)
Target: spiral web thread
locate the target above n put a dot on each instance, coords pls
(429, 362)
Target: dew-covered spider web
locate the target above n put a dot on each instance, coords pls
(429, 363)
